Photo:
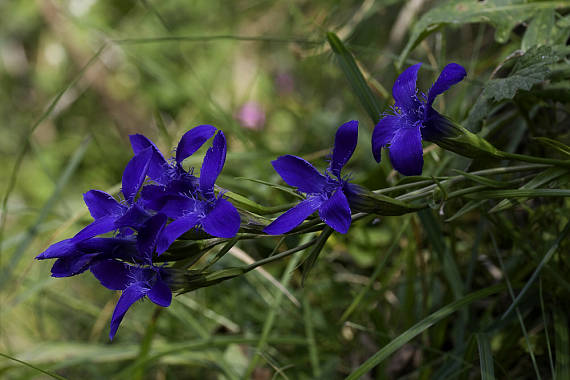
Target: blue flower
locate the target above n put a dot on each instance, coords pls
(171, 180)
(202, 209)
(326, 193)
(413, 119)
(136, 282)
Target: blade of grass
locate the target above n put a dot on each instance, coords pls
(375, 274)
(26, 143)
(355, 78)
(310, 332)
(485, 357)
(545, 322)
(50, 203)
(562, 345)
(536, 272)
(420, 327)
(270, 320)
(315, 252)
(519, 316)
(50, 374)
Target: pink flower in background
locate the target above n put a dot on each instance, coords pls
(251, 115)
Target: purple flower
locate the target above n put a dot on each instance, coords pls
(326, 193)
(136, 282)
(414, 119)
(216, 216)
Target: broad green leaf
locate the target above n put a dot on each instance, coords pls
(355, 78)
(485, 357)
(420, 327)
(529, 69)
(504, 15)
(543, 30)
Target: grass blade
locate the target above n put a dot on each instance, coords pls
(542, 263)
(355, 77)
(486, 357)
(562, 345)
(375, 274)
(420, 327)
(50, 374)
(72, 165)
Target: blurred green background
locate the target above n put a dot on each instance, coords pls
(78, 76)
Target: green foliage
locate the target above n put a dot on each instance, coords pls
(503, 15)
(529, 69)
(459, 273)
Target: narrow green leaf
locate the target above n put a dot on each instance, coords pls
(273, 311)
(520, 193)
(541, 179)
(355, 78)
(72, 165)
(485, 357)
(354, 304)
(483, 180)
(50, 374)
(559, 146)
(562, 344)
(315, 251)
(420, 327)
(536, 272)
(310, 332)
(431, 225)
(471, 205)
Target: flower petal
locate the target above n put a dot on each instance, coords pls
(384, 133)
(406, 151)
(72, 265)
(97, 227)
(299, 173)
(177, 205)
(160, 294)
(223, 220)
(344, 145)
(149, 233)
(62, 248)
(130, 295)
(134, 217)
(451, 74)
(212, 165)
(101, 204)
(172, 231)
(135, 173)
(336, 212)
(404, 90)
(193, 140)
(112, 274)
(293, 217)
(157, 161)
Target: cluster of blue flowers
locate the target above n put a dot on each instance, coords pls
(161, 201)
